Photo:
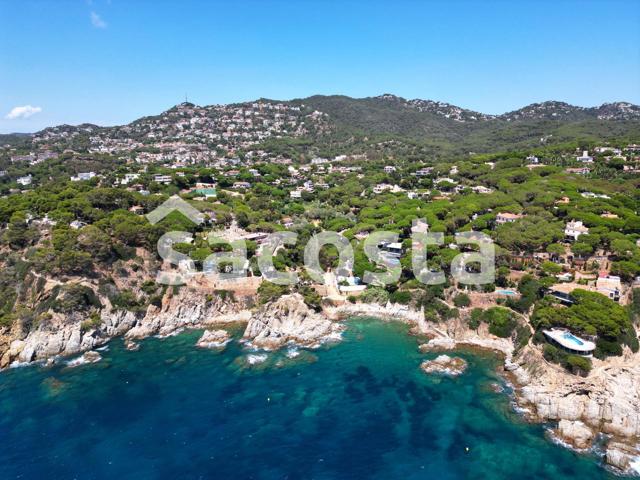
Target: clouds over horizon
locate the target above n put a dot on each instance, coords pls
(22, 112)
(97, 21)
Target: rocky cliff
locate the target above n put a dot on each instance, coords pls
(289, 320)
(607, 401)
(67, 334)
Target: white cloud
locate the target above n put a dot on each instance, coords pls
(22, 112)
(97, 21)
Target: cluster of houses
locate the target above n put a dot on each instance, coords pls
(191, 134)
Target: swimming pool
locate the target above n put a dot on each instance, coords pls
(506, 292)
(573, 339)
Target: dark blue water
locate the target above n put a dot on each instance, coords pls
(358, 409)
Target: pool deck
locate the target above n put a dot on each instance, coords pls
(580, 347)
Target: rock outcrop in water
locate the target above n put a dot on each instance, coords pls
(445, 365)
(289, 320)
(623, 457)
(575, 433)
(213, 339)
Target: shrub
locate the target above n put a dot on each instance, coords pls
(462, 300)
(75, 298)
(268, 292)
(501, 321)
(311, 297)
(126, 300)
(375, 295)
(606, 348)
(578, 365)
(402, 297)
(475, 319)
(523, 334)
(553, 354)
(92, 322)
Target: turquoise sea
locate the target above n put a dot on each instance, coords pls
(358, 409)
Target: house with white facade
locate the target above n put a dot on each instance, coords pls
(610, 286)
(164, 179)
(83, 176)
(506, 217)
(24, 181)
(574, 229)
(585, 157)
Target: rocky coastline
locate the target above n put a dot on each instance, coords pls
(606, 402)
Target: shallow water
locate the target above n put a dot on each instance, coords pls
(358, 409)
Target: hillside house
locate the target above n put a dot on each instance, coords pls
(585, 157)
(610, 286)
(24, 181)
(574, 229)
(507, 217)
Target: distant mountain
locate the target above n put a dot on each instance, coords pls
(443, 109)
(325, 120)
(452, 127)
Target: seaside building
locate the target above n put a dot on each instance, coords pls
(610, 286)
(570, 342)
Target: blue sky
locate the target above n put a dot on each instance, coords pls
(109, 62)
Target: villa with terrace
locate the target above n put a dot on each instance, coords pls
(569, 342)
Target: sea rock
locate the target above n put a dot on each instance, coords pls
(437, 344)
(624, 457)
(213, 339)
(87, 357)
(131, 345)
(289, 320)
(575, 433)
(444, 364)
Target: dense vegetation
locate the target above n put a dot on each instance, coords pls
(70, 231)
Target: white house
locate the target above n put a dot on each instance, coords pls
(83, 176)
(506, 217)
(389, 169)
(381, 187)
(609, 285)
(423, 172)
(24, 181)
(574, 229)
(164, 179)
(129, 177)
(295, 193)
(585, 158)
(445, 179)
